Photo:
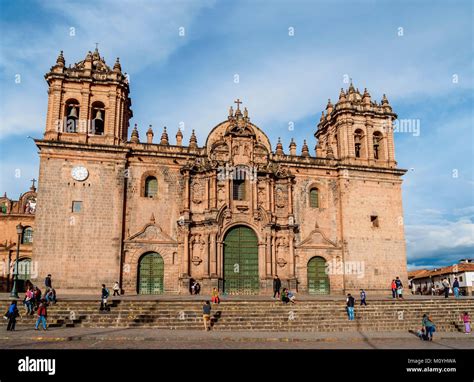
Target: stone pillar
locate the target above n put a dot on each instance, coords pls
(274, 265)
(213, 254)
(206, 256)
(291, 264)
(186, 191)
(268, 254)
(220, 255)
(290, 197)
(185, 260)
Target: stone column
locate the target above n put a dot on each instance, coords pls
(274, 265)
(213, 255)
(206, 256)
(290, 196)
(268, 254)
(292, 254)
(186, 191)
(220, 255)
(185, 260)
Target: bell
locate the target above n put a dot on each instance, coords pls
(73, 112)
(99, 115)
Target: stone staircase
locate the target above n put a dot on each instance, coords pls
(271, 315)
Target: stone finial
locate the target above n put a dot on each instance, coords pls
(322, 117)
(279, 148)
(152, 218)
(351, 87)
(193, 140)
(329, 107)
(117, 66)
(342, 96)
(384, 100)
(164, 138)
(292, 147)
(179, 137)
(231, 111)
(246, 113)
(60, 60)
(366, 96)
(305, 149)
(135, 137)
(149, 135)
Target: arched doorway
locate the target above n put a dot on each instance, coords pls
(241, 261)
(24, 274)
(318, 280)
(150, 274)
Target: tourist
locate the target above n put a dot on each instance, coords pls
(104, 297)
(291, 296)
(197, 288)
(28, 301)
(399, 287)
(116, 289)
(42, 314)
(12, 314)
(284, 296)
(467, 322)
(36, 296)
(215, 296)
(446, 287)
(363, 295)
(429, 327)
(276, 286)
(456, 287)
(206, 315)
(48, 282)
(394, 289)
(51, 296)
(350, 302)
(191, 286)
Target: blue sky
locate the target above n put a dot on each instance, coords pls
(190, 79)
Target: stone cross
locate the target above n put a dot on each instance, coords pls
(238, 102)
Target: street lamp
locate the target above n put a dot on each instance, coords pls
(14, 292)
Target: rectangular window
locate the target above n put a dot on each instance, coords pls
(460, 278)
(314, 198)
(238, 185)
(76, 206)
(375, 221)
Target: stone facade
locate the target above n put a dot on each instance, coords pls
(13, 213)
(105, 200)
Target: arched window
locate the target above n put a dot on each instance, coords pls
(27, 236)
(72, 116)
(359, 143)
(98, 118)
(378, 147)
(314, 198)
(151, 187)
(238, 184)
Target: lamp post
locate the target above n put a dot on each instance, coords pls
(14, 292)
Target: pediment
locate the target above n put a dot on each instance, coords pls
(317, 239)
(152, 233)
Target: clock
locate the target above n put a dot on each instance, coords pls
(79, 173)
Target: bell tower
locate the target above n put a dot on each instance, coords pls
(357, 130)
(88, 102)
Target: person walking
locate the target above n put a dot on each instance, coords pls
(363, 296)
(215, 296)
(446, 287)
(456, 287)
(116, 289)
(467, 323)
(48, 282)
(206, 315)
(429, 327)
(28, 301)
(399, 286)
(350, 302)
(42, 314)
(12, 314)
(276, 286)
(104, 296)
(394, 289)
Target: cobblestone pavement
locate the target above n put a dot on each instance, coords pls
(141, 338)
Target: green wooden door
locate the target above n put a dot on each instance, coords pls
(318, 280)
(241, 261)
(150, 274)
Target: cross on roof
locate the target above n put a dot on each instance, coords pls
(33, 180)
(238, 102)
(97, 46)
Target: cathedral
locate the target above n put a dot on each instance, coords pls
(230, 212)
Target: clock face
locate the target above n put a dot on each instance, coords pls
(79, 173)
